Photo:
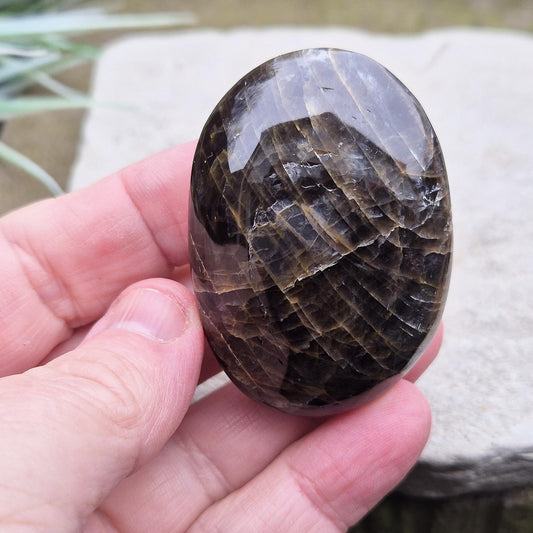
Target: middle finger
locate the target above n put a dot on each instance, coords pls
(224, 440)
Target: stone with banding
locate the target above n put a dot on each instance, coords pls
(320, 231)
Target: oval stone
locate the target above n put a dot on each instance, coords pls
(320, 231)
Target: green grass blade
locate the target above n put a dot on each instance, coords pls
(18, 83)
(36, 6)
(72, 22)
(20, 51)
(11, 68)
(54, 86)
(25, 105)
(62, 44)
(10, 155)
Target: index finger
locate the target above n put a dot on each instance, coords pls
(64, 260)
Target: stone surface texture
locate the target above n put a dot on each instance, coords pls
(475, 86)
(320, 231)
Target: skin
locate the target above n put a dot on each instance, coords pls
(101, 349)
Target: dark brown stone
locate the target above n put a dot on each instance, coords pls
(320, 231)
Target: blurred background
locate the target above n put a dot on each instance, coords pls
(50, 138)
(374, 15)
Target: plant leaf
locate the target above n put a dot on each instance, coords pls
(54, 86)
(73, 22)
(16, 107)
(62, 44)
(12, 68)
(20, 51)
(18, 83)
(10, 155)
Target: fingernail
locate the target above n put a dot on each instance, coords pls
(148, 312)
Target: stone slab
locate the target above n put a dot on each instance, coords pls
(476, 87)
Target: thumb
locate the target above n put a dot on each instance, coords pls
(72, 429)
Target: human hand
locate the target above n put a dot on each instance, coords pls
(100, 352)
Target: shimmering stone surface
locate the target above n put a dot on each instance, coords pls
(320, 231)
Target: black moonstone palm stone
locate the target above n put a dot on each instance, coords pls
(320, 231)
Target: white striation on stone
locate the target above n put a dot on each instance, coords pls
(477, 88)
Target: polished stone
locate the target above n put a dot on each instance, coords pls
(480, 388)
(320, 230)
